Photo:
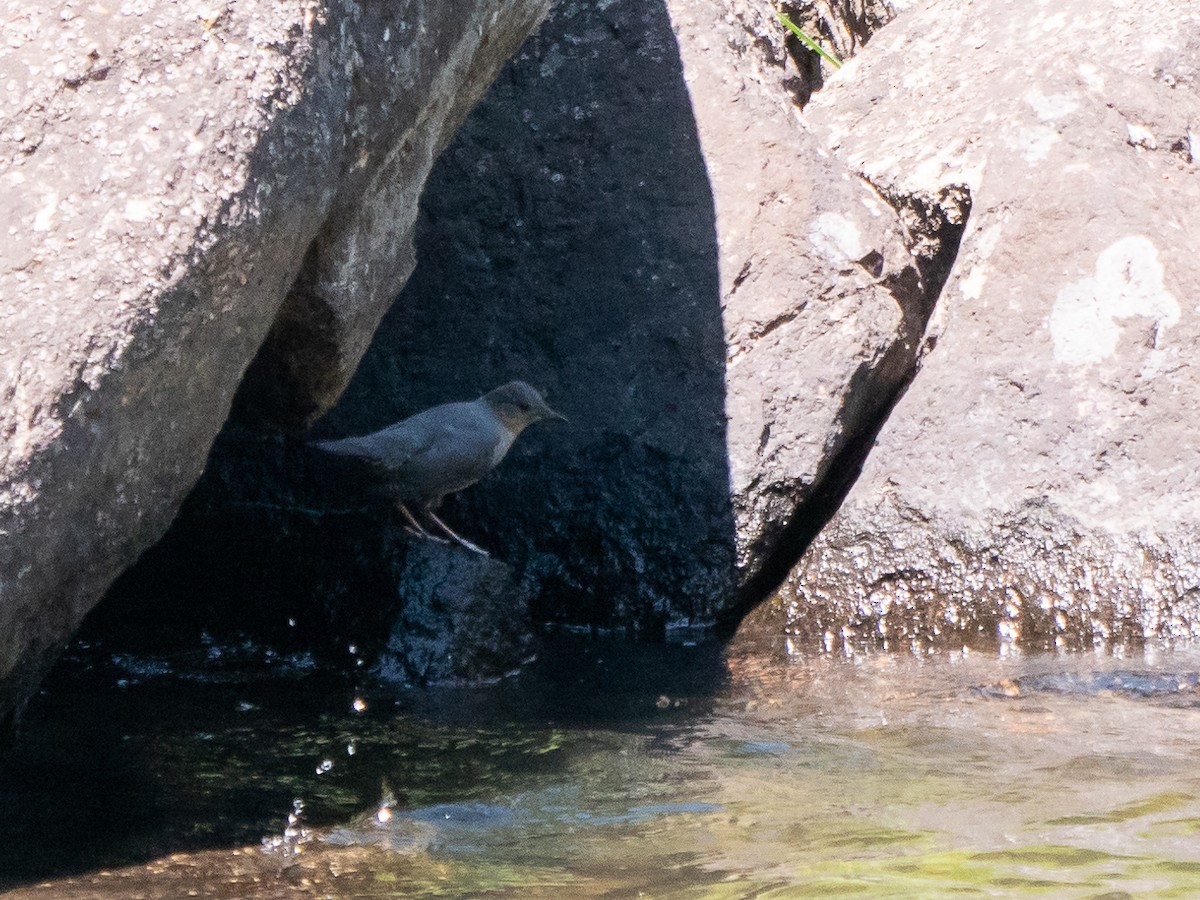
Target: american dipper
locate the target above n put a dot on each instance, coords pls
(444, 449)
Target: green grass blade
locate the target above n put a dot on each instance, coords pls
(809, 42)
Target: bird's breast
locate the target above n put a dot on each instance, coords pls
(502, 445)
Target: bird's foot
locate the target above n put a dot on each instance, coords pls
(457, 538)
(416, 529)
(423, 535)
(475, 548)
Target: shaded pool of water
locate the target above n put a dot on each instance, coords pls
(614, 770)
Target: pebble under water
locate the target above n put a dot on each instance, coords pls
(612, 769)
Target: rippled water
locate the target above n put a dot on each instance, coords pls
(612, 770)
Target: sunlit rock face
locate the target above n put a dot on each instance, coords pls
(1040, 480)
(174, 176)
(822, 295)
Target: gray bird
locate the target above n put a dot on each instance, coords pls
(444, 449)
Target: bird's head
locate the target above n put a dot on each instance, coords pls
(517, 405)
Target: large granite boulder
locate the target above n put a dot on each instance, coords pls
(825, 284)
(174, 176)
(1040, 480)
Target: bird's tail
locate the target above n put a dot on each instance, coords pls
(338, 447)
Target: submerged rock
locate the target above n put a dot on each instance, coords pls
(1176, 689)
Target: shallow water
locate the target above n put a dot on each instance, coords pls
(615, 770)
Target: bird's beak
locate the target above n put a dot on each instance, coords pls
(559, 416)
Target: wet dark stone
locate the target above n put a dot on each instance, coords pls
(465, 619)
(1179, 689)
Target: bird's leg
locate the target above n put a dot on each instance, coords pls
(415, 528)
(462, 541)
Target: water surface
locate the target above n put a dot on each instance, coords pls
(614, 770)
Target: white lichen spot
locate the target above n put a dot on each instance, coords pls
(972, 285)
(1035, 142)
(837, 238)
(1090, 76)
(1050, 107)
(983, 244)
(1104, 492)
(1128, 282)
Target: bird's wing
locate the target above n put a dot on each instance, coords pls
(458, 453)
(433, 453)
(391, 446)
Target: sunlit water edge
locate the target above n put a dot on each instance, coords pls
(612, 769)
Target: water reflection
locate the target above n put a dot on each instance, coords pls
(761, 774)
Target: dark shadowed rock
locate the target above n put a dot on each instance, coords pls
(168, 170)
(465, 618)
(636, 222)
(1040, 481)
(719, 310)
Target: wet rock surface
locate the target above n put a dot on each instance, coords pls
(465, 619)
(1178, 689)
